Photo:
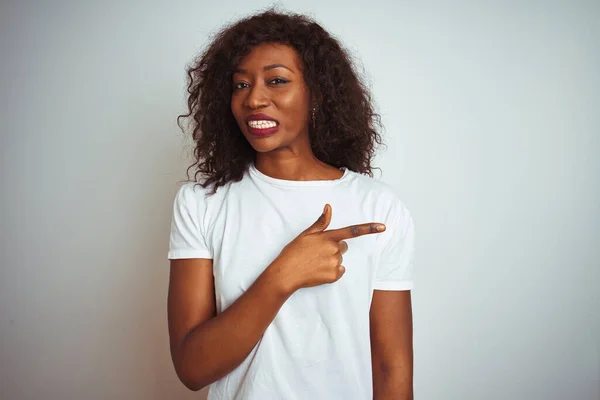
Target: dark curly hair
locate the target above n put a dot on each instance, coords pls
(346, 134)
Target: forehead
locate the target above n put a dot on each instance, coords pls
(268, 54)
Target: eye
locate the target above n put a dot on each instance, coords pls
(278, 81)
(239, 85)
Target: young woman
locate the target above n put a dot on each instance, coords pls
(291, 266)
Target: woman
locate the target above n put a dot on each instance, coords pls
(267, 299)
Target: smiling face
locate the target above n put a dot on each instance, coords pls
(270, 100)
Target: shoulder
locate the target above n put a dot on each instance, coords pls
(193, 189)
(384, 195)
(385, 203)
(191, 193)
(194, 194)
(374, 185)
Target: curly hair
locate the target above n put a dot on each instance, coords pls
(346, 134)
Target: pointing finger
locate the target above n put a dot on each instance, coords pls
(353, 231)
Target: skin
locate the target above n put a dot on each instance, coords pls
(203, 347)
(282, 94)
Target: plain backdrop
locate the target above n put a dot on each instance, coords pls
(492, 115)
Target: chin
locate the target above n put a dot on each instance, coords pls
(263, 145)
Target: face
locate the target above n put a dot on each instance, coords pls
(270, 100)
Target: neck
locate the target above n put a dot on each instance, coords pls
(295, 167)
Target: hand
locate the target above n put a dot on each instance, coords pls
(315, 256)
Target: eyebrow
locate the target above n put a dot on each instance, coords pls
(265, 68)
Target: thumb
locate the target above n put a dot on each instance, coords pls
(322, 223)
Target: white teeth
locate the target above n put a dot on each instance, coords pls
(262, 124)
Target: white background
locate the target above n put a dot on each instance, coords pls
(492, 114)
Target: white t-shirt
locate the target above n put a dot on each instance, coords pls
(318, 345)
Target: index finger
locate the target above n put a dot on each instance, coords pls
(353, 231)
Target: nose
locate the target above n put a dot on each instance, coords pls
(256, 97)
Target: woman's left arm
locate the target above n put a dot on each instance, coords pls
(392, 345)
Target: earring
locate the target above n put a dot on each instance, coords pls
(314, 117)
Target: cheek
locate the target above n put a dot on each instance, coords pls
(292, 101)
(235, 109)
(234, 104)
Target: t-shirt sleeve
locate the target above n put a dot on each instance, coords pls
(396, 263)
(187, 238)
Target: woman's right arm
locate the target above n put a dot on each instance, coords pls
(206, 346)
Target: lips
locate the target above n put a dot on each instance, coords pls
(260, 117)
(263, 130)
(262, 125)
